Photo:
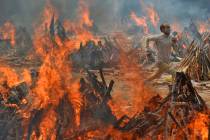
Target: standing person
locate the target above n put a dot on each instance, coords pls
(163, 44)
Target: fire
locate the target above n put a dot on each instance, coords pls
(12, 77)
(9, 75)
(199, 126)
(47, 126)
(153, 16)
(55, 74)
(41, 36)
(140, 21)
(81, 34)
(176, 26)
(55, 81)
(48, 13)
(27, 76)
(203, 27)
(79, 28)
(150, 15)
(135, 81)
(7, 32)
(140, 93)
(85, 14)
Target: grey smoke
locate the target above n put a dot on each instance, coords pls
(105, 13)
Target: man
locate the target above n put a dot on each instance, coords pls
(163, 44)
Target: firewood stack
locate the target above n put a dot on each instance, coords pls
(96, 95)
(164, 118)
(196, 64)
(168, 117)
(10, 117)
(95, 113)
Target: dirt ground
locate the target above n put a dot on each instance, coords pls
(121, 83)
(159, 85)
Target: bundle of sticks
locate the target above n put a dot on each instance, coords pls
(95, 112)
(11, 101)
(169, 117)
(196, 64)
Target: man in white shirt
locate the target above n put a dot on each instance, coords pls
(163, 44)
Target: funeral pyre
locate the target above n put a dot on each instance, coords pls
(48, 103)
(183, 114)
(197, 62)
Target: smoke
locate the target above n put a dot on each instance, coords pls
(107, 14)
(111, 12)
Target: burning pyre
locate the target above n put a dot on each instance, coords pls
(48, 103)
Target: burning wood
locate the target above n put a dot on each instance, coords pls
(52, 104)
(95, 111)
(175, 112)
(10, 117)
(168, 117)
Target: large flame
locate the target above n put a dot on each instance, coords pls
(55, 75)
(55, 79)
(132, 102)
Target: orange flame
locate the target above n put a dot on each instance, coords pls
(85, 14)
(135, 100)
(12, 77)
(48, 13)
(153, 15)
(203, 27)
(140, 21)
(200, 126)
(27, 76)
(55, 75)
(47, 126)
(41, 38)
(9, 75)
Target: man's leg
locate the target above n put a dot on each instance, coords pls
(171, 71)
(162, 67)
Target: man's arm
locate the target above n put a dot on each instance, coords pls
(149, 39)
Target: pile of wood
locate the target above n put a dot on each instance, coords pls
(95, 113)
(163, 117)
(196, 64)
(169, 117)
(10, 117)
